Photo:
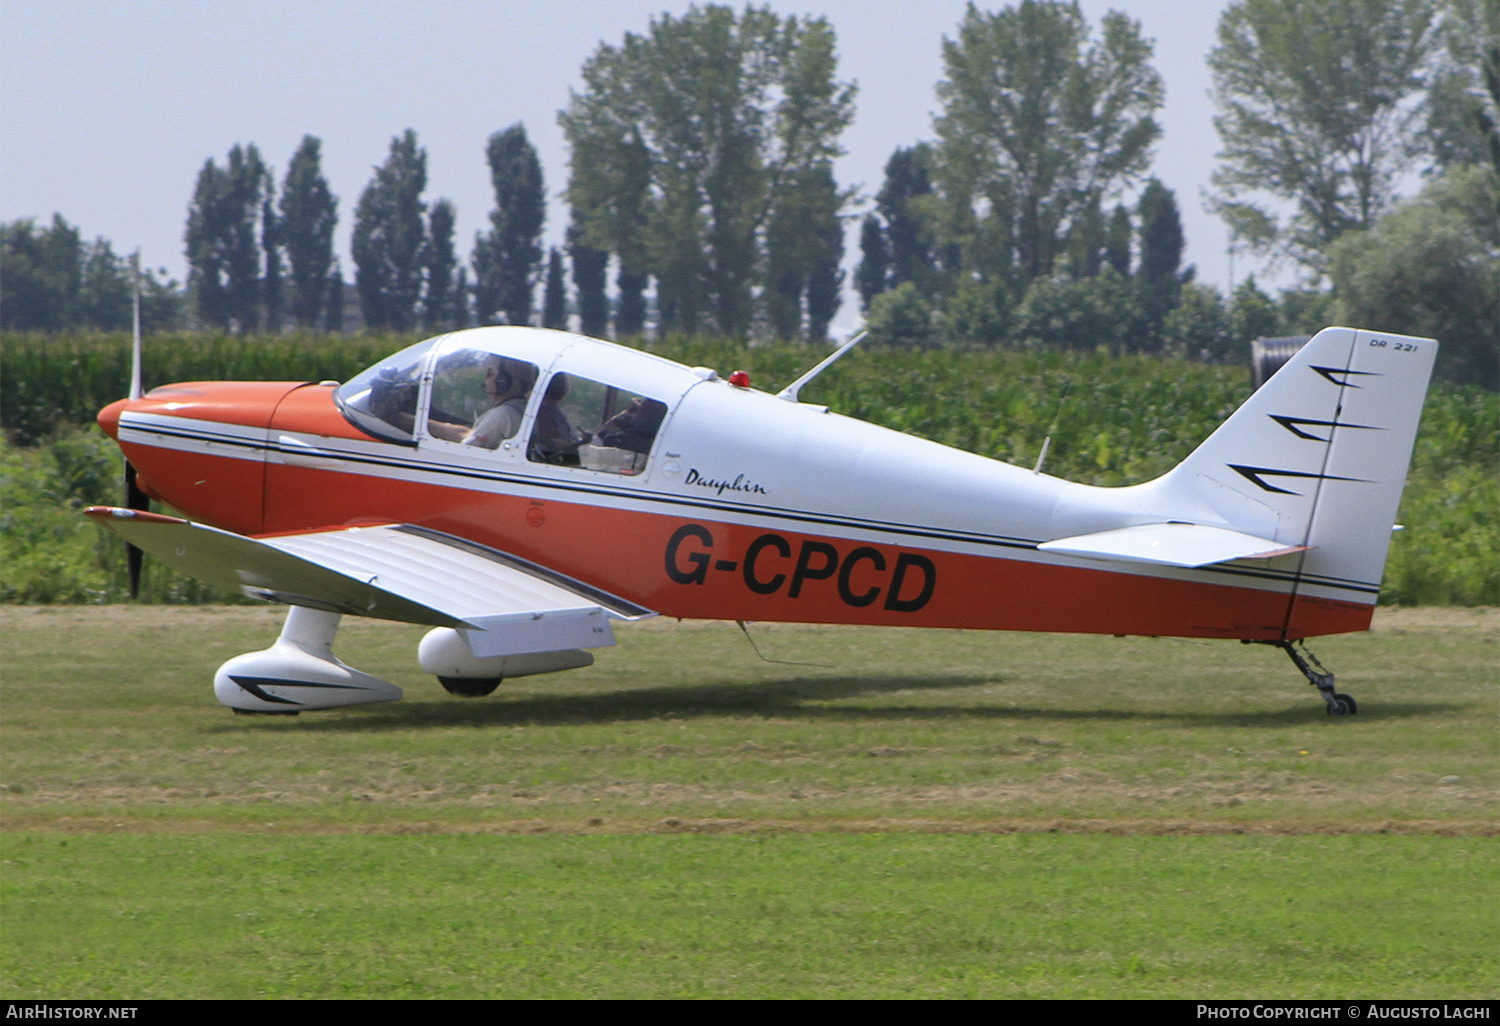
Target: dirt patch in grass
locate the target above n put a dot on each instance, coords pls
(283, 824)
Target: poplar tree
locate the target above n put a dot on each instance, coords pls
(225, 239)
(804, 247)
(590, 267)
(389, 237)
(442, 296)
(555, 293)
(1159, 278)
(871, 277)
(507, 261)
(908, 178)
(271, 243)
(309, 213)
(1463, 104)
(1117, 241)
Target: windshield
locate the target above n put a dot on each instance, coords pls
(382, 401)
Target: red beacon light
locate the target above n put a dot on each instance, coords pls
(740, 379)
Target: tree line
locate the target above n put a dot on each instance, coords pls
(702, 196)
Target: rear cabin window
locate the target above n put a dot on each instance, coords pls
(589, 424)
(478, 397)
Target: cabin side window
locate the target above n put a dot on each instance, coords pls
(589, 424)
(479, 397)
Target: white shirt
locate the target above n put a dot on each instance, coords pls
(497, 423)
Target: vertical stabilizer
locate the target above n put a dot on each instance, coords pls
(1318, 457)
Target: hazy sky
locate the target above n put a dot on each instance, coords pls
(109, 109)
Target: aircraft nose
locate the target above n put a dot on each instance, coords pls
(109, 418)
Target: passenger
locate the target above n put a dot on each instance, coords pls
(507, 389)
(554, 440)
(634, 428)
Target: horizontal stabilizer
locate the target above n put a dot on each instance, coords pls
(390, 572)
(1170, 544)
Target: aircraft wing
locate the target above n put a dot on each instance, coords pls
(391, 572)
(1170, 544)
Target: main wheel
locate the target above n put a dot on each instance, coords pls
(470, 687)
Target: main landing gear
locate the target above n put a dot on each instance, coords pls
(1318, 676)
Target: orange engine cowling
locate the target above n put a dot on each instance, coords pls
(200, 447)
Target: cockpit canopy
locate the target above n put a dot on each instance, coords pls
(493, 388)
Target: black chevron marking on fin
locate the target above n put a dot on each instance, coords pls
(1330, 372)
(1256, 475)
(1290, 423)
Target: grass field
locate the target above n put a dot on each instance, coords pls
(887, 813)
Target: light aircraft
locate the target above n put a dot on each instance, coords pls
(518, 489)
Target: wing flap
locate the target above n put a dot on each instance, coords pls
(505, 605)
(1170, 544)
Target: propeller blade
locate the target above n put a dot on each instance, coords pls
(135, 498)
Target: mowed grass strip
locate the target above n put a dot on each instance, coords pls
(107, 715)
(215, 915)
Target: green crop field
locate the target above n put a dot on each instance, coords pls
(882, 813)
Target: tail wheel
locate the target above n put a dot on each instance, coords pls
(1346, 706)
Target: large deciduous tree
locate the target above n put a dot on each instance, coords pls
(684, 141)
(1317, 111)
(40, 275)
(390, 236)
(51, 280)
(1040, 123)
(1463, 119)
(508, 260)
(1431, 266)
(309, 213)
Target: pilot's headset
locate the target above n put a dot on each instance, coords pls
(503, 377)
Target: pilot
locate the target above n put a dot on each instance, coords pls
(507, 388)
(554, 440)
